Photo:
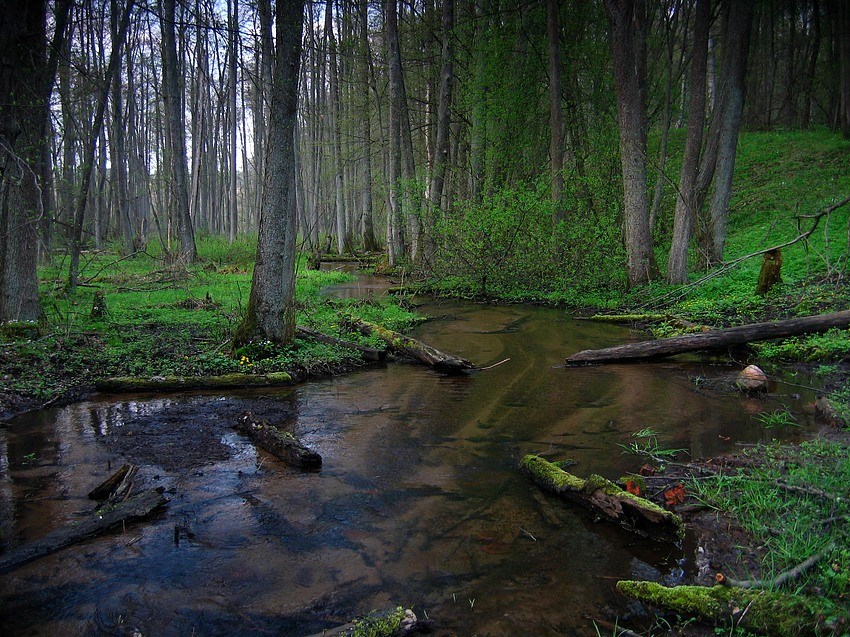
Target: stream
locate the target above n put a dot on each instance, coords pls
(418, 502)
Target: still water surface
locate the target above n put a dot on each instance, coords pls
(418, 502)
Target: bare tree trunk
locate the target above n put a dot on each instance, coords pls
(844, 67)
(119, 150)
(728, 118)
(441, 146)
(271, 312)
(342, 231)
(556, 119)
(177, 133)
(370, 244)
(233, 35)
(686, 212)
(88, 160)
(394, 213)
(627, 18)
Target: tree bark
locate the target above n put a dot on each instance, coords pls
(556, 119)
(370, 244)
(628, 39)
(713, 339)
(271, 312)
(686, 213)
(176, 132)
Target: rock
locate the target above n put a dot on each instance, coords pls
(826, 413)
(751, 379)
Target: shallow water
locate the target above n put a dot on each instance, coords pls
(418, 502)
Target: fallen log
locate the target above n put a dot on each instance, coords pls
(407, 346)
(116, 487)
(396, 622)
(366, 353)
(764, 612)
(605, 498)
(135, 508)
(125, 384)
(713, 339)
(281, 444)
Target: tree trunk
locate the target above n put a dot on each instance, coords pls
(628, 39)
(271, 312)
(441, 146)
(844, 67)
(233, 43)
(370, 244)
(176, 132)
(714, 339)
(395, 236)
(23, 116)
(686, 212)
(736, 44)
(556, 119)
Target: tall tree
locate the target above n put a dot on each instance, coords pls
(270, 313)
(686, 213)
(23, 115)
(628, 38)
(369, 242)
(176, 137)
(441, 146)
(556, 119)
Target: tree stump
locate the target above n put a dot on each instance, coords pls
(771, 271)
(98, 306)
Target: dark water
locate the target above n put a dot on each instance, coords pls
(418, 502)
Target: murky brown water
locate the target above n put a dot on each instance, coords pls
(418, 502)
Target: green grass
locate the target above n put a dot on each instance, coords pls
(167, 320)
(794, 503)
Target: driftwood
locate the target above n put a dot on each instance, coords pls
(135, 508)
(279, 443)
(117, 486)
(605, 498)
(366, 353)
(713, 339)
(180, 383)
(407, 346)
(764, 612)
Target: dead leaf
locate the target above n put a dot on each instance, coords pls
(675, 495)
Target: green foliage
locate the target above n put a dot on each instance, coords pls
(797, 521)
(170, 320)
(646, 444)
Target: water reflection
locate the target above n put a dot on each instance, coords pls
(418, 501)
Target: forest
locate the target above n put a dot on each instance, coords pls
(254, 198)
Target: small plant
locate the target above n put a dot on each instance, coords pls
(28, 459)
(778, 418)
(646, 444)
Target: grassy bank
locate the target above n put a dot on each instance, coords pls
(166, 320)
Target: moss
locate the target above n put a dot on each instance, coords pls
(640, 481)
(379, 623)
(770, 612)
(550, 475)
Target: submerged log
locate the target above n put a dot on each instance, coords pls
(606, 498)
(281, 444)
(762, 611)
(713, 339)
(407, 346)
(366, 353)
(117, 486)
(135, 508)
(179, 383)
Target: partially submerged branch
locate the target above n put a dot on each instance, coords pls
(605, 498)
(185, 383)
(281, 444)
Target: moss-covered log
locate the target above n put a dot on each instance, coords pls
(366, 353)
(606, 498)
(407, 346)
(281, 444)
(134, 508)
(713, 339)
(765, 612)
(127, 384)
(396, 622)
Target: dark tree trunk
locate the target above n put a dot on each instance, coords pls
(686, 212)
(23, 116)
(176, 137)
(271, 312)
(628, 38)
(556, 119)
